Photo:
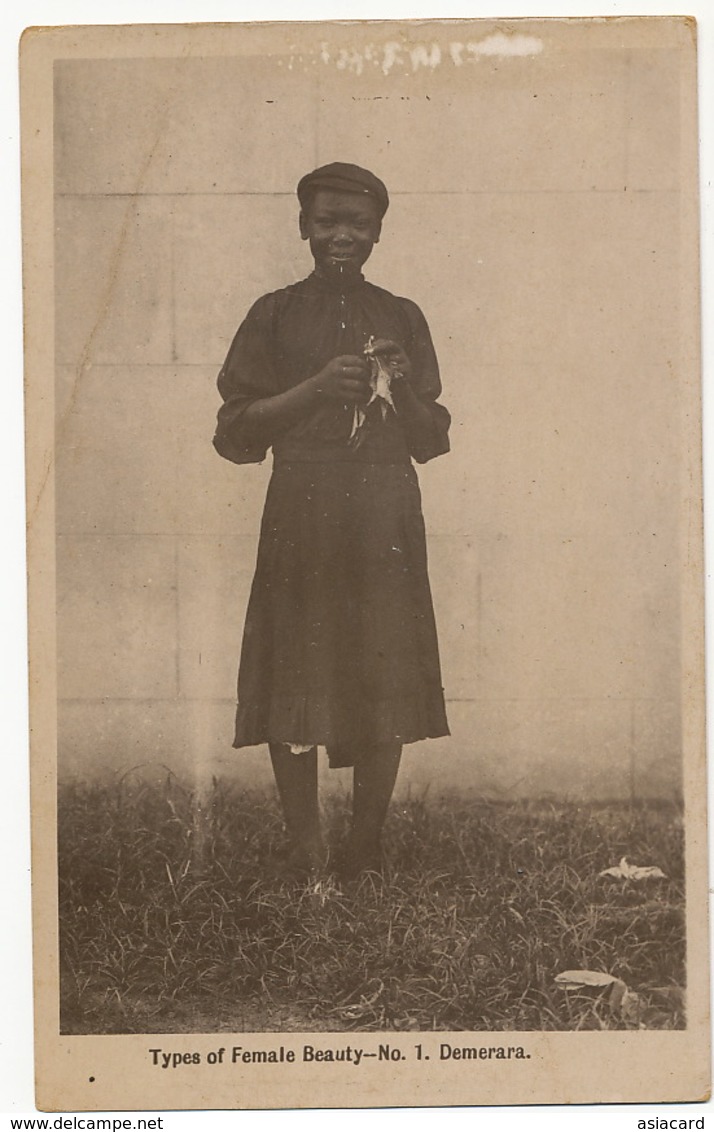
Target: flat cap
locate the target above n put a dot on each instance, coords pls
(341, 177)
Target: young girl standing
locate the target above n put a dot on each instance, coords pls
(339, 648)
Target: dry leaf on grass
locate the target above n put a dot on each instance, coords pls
(626, 871)
(574, 980)
(623, 1002)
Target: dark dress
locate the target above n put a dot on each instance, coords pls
(339, 647)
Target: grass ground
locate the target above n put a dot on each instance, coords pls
(175, 917)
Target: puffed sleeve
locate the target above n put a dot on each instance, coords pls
(425, 443)
(248, 375)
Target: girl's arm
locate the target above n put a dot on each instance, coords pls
(344, 379)
(414, 393)
(414, 413)
(255, 408)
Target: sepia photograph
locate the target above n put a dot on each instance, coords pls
(364, 482)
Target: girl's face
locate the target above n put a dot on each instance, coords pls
(342, 229)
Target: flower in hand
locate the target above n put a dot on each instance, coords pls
(388, 363)
(390, 357)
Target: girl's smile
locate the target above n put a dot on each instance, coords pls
(342, 229)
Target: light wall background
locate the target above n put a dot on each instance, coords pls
(535, 219)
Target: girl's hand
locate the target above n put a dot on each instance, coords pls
(393, 357)
(344, 379)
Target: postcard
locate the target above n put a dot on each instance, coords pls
(365, 563)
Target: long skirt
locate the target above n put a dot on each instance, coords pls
(340, 647)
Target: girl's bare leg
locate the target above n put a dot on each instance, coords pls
(375, 774)
(296, 779)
